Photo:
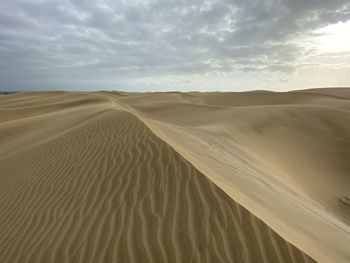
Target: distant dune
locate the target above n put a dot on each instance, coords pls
(175, 177)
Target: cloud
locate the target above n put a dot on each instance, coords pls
(54, 43)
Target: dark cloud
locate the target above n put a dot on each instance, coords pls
(62, 43)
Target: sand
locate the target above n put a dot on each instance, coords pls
(175, 177)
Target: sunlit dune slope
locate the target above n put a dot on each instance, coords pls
(304, 137)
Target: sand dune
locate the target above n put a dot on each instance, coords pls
(118, 177)
(284, 156)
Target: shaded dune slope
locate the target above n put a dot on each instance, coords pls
(109, 190)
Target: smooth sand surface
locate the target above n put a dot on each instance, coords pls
(175, 177)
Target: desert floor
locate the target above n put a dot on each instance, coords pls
(175, 177)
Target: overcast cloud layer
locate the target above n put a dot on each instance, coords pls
(176, 45)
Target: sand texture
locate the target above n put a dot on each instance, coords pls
(175, 177)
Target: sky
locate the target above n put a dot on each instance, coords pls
(160, 45)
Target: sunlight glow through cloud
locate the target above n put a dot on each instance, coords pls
(335, 38)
